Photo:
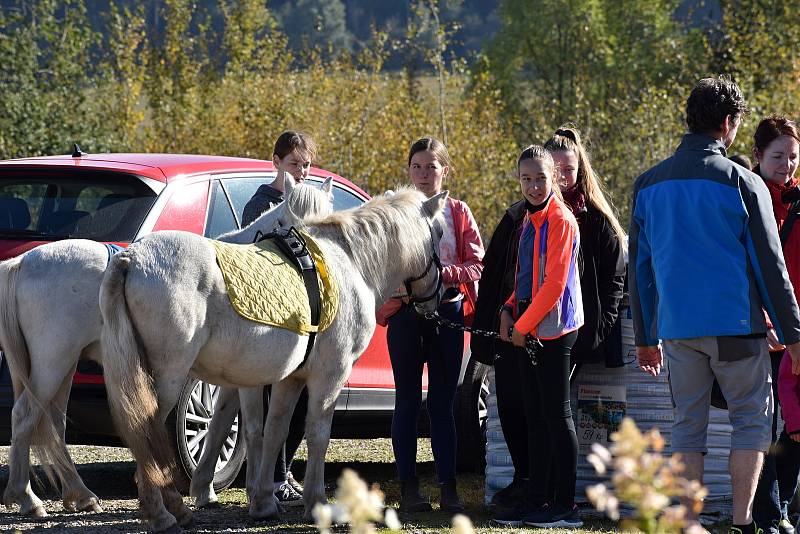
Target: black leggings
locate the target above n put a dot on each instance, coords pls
(552, 442)
(511, 410)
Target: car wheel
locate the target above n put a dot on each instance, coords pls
(188, 426)
(471, 416)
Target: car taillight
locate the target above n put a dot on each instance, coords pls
(83, 378)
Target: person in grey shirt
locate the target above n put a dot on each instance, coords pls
(292, 154)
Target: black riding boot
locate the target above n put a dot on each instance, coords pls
(449, 501)
(410, 498)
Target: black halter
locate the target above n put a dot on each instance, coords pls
(412, 299)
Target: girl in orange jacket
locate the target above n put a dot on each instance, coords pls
(546, 303)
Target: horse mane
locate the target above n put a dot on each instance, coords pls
(307, 199)
(385, 223)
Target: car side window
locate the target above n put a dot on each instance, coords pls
(344, 199)
(241, 190)
(220, 216)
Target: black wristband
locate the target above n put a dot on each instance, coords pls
(506, 307)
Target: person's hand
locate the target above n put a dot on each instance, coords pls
(506, 322)
(794, 352)
(517, 338)
(795, 437)
(650, 359)
(772, 341)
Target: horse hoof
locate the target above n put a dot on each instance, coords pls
(265, 514)
(174, 529)
(36, 511)
(206, 501)
(91, 505)
(185, 516)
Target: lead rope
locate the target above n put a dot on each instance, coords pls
(532, 344)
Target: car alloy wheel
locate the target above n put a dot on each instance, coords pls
(189, 426)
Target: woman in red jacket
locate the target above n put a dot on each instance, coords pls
(777, 152)
(413, 341)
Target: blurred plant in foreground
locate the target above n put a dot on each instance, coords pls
(646, 480)
(357, 505)
(360, 506)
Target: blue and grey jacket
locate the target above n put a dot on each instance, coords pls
(705, 255)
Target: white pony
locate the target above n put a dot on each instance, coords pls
(166, 313)
(50, 318)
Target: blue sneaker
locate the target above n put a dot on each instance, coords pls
(556, 516)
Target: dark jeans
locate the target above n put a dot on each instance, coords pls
(778, 481)
(413, 341)
(552, 442)
(296, 432)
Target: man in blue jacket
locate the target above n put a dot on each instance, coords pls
(705, 263)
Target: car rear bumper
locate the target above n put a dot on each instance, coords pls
(88, 417)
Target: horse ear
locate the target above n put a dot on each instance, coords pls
(434, 205)
(327, 185)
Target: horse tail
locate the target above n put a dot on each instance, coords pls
(45, 440)
(131, 392)
(12, 340)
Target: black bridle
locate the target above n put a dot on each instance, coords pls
(434, 261)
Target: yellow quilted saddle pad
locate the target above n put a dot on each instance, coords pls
(264, 287)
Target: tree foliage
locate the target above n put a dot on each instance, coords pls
(221, 77)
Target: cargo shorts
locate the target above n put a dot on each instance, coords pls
(745, 382)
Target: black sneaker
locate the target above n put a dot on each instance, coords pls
(509, 496)
(287, 495)
(508, 517)
(556, 516)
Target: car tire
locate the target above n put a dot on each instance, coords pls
(188, 425)
(471, 416)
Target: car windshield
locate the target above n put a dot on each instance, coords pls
(46, 205)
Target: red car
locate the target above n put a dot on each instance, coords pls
(117, 198)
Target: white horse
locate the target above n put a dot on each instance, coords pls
(50, 318)
(166, 313)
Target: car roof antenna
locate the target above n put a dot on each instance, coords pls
(76, 151)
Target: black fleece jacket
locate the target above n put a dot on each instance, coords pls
(602, 278)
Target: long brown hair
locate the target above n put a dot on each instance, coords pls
(568, 138)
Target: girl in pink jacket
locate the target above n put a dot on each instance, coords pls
(414, 342)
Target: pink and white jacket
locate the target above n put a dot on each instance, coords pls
(789, 395)
(466, 273)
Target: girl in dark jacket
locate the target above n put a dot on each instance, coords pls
(603, 243)
(603, 271)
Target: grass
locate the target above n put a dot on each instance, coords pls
(373, 460)
(109, 471)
